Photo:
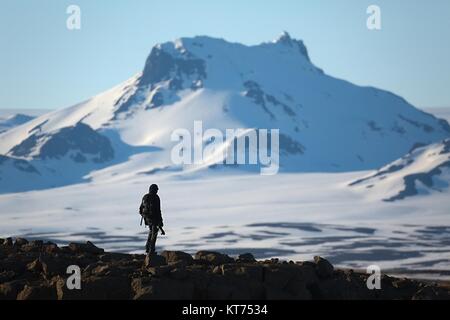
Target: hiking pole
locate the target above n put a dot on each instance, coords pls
(142, 218)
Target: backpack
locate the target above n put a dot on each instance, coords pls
(146, 206)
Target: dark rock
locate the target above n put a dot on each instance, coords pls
(249, 271)
(7, 242)
(15, 265)
(36, 243)
(35, 266)
(96, 288)
(277, 277)
(101, 270)
(177, 256)
(431, 292)
(246, 257)
(42, 292)
(38, 271)
(32, 246)
(53, 265)
(214, 258)
(20, 242)
(6, 276)
(51, 248)
(108, 257)
(81, 138)
(162, 289)
(87, 247)
(154, 260)
(324, 268)
(306, 272)
(159, 271)
(10, 290)
(233, 287)
(179, 274)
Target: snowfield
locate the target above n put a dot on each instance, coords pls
(291, 216)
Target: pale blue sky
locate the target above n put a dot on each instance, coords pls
(44, 65)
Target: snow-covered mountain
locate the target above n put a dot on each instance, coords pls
(326, 124)
(13, 121)
(424, 170)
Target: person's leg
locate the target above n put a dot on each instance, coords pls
(154, 235)
(149, 237)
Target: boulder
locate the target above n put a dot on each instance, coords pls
(50, 248)
(173, 257)
(212, 257)
(154, 260)
(324, 269)
(35, 266)
(87, 247)
(7, 242)
(246, 257)
(20, 242)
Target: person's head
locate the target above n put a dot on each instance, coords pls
(153, 188)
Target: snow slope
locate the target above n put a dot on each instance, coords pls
(326, 124)
(424, 170)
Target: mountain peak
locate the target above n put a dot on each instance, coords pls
(284, 38)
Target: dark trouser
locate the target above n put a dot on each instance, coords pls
(151, 241)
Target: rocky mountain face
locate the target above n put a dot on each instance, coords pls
(80, 139)
(37, 270)
(326, 124)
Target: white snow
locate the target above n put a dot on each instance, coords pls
(311, 214)
(383, 184)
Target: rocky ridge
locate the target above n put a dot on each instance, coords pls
(31, 270)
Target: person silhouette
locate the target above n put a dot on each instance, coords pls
(150, 211)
